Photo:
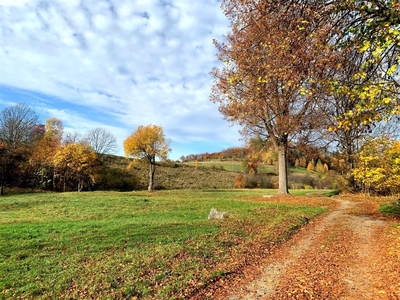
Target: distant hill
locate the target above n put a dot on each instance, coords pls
(211, 174)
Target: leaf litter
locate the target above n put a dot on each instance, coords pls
(351, 252)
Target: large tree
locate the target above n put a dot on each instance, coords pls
(147, 143)
(271, 56)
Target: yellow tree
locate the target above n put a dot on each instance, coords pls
(45, 149)
(76, 162)
(378, 166)
(147, 143)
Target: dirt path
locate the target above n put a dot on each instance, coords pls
(347, 254)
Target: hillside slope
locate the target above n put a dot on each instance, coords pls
(171, 175)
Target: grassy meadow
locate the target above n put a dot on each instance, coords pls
(105, 245)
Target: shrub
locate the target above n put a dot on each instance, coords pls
(117, 179)
(341, 183)
(327, 181)
(240, 181)
(260, 181)
(254, 181)
(299, 181)
(390, 210)
(168, 164)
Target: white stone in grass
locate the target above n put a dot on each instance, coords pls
(215, 214)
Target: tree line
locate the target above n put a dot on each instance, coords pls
(41, 156)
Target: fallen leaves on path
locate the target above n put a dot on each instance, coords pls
(349, 253)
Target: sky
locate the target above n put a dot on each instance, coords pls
(117, 64)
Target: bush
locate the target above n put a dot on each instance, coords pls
(168, 164)
(300, 181)
(328, 181)
(344, 183)
(254, 181)
(117, 179)
(390, 210)
(240, 181)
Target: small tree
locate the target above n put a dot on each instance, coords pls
(76, 162)
(147, 143)
(320, 167)
(311, 166)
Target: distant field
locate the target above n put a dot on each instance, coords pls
(104, 245)
(232, 165)
(236, 166)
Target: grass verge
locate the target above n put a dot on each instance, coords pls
(122, 245)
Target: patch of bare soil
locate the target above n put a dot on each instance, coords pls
(350, 253)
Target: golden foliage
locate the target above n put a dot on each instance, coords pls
(311, 166)
(77, 157)
(378, 166)
(147, 142)
(240, 181)
(46, 147)
(76, 162)
(374, 33)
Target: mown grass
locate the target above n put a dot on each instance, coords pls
(106, 245)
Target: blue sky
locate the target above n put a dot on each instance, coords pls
(117, 64)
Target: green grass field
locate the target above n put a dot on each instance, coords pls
(105, 245)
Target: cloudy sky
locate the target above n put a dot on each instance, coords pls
(117, 64)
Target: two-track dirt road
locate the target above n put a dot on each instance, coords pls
(349, 253)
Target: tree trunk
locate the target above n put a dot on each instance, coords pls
(282, 170)
(54, 180)
(349, 160)
(152, 164)
(80, 185)
(65, 181)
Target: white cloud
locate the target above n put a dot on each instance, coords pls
(140, 62)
